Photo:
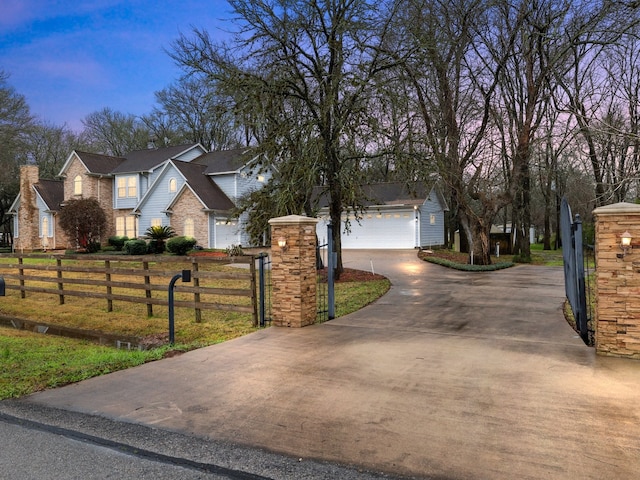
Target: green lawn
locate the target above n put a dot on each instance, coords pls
(30, 362)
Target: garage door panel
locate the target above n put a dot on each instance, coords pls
(378, 230)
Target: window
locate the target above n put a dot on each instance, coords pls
(172, 185)
(131, 224)
(432, 219)
(127, 187)
(120, 226)
(156, 222)
(132, 187)
(45, 227)
(261, 178)
(127, 226)
(189, 230)
(77, 185)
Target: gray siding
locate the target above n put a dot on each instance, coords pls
(228, 185)
(190, 155)
(42, 212)
(431, 234)
(159, 198)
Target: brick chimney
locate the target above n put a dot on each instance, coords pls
(28, 221)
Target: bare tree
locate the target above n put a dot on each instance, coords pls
(114, 133)
(50, 145)
(16, 124)
(320, 55)
(199, 113)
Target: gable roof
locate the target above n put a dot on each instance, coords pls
(95, 163)
(387, 193)
(99, 164)
(51, 192)
(225, 161)
(149, 159)
(209, 193)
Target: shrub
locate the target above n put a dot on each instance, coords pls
(156, 246)
(93, 246)
(135, 247)
(235, 250)
(467, 267)
(181, 245)
(117, 242)
(159, 233)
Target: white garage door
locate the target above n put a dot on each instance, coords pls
(392, 229)
(226, 233)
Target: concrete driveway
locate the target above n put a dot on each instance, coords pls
(450, 375)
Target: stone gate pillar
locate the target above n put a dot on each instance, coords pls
(617, 328)
(293, 271)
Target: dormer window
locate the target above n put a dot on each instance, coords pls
(77, 185)
(172, 185)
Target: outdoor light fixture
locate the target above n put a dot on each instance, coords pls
(625, 244)
(282, 243)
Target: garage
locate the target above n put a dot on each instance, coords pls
(225, 233)
(395, 216)
(377, 229)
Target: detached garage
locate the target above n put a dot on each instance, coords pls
(396, 216)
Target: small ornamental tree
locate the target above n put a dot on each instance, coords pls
(83, 220)
(158, 234)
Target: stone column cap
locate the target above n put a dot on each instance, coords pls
(618, 208)
(293, 220)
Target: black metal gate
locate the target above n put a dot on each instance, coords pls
(574, 277)
(325, 266)
(264, 289)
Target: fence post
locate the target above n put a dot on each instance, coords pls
(196, 295)
(107, 275)
(60, 282)
(23, 292)
(147, 288)
(293, 270)
(617, 331)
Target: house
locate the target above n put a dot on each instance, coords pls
(184, 186)
(396, 215)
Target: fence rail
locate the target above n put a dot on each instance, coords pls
(93, 277)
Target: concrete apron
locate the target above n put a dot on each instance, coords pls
(456, 375)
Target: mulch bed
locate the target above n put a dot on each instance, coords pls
(353, 275)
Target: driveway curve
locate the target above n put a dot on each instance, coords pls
(449, 375)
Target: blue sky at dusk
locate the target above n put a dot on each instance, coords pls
(71, 58)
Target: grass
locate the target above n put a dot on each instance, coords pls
(30, 362)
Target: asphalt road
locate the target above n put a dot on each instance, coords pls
(48, 443)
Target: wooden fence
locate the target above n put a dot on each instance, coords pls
(135, 279)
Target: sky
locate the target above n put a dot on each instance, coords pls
(72, 58)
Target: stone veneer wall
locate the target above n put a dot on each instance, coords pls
(617, 328)
(293, 271)
(100, 188)
(188, 206)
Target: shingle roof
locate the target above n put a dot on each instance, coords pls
(52, 193)
(145, 160)
(205, 188)
(223, 161)
(99, 164)
(389, 193)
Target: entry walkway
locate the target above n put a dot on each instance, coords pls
(450, 375)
